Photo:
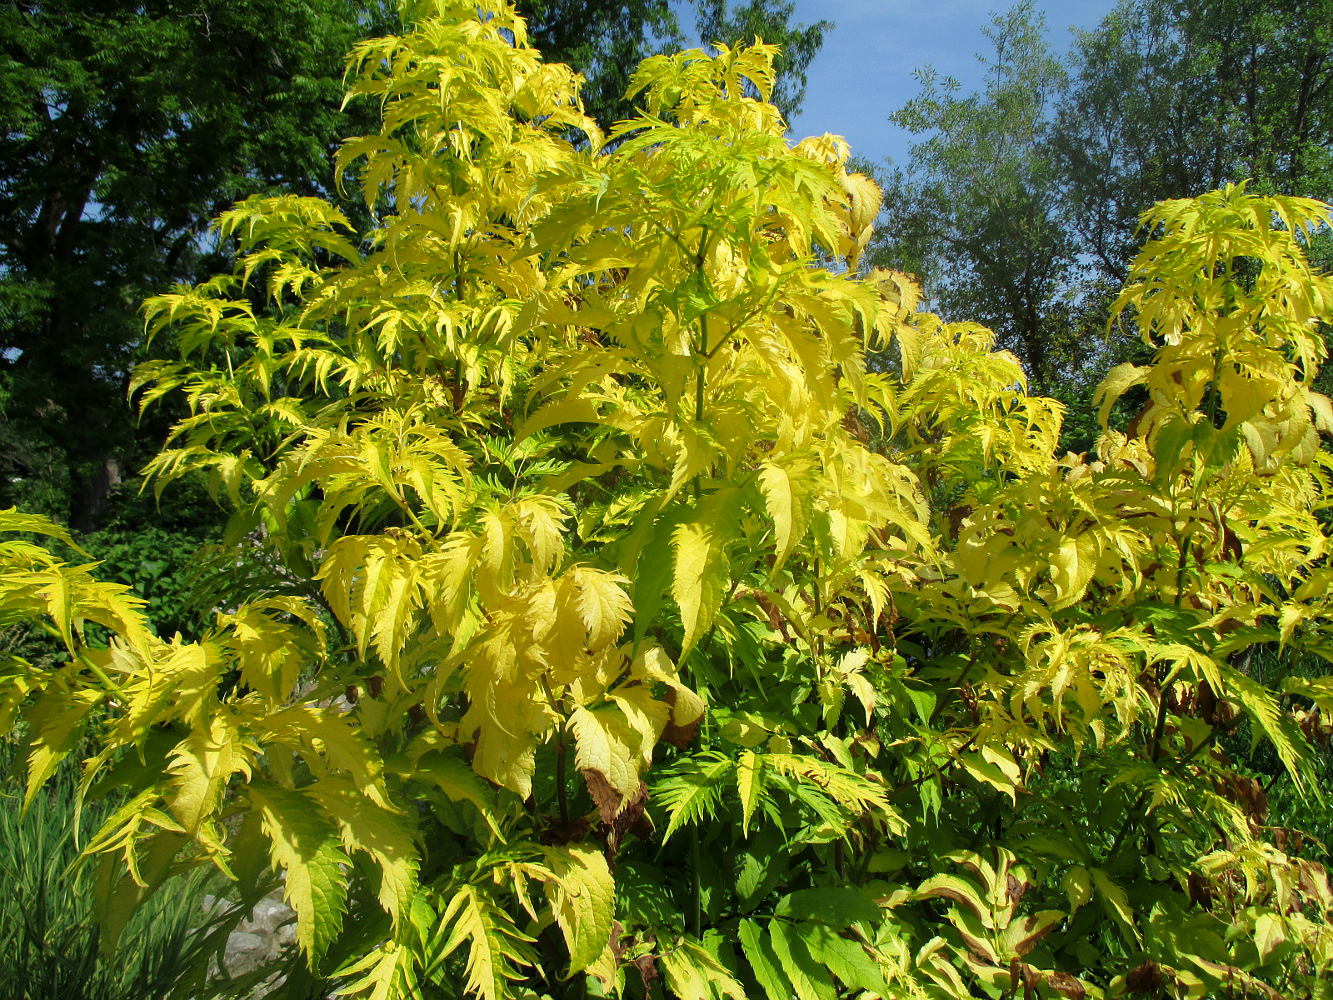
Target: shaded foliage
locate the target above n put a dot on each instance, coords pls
(128, 126)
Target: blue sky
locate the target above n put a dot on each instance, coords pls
(864, 71)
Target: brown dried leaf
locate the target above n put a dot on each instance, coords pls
(606, 798)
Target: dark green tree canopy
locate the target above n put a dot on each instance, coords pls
(127, 126)
(1169, 98)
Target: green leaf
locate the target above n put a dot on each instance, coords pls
(692, 791)
(835, 906)
(654, 564)
(1115, 900)
(845, 958)
(118, 897)
(809, 979)
(1291, 746)
(1078, 886)
(765, 863)
(452, 775)
(763, 961)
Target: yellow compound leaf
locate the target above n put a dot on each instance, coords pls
(645, 714)
(687, 709)
(603, 605)
(201, 766)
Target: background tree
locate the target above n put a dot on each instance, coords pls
(127, 126)
(1020, 206)
(1167, 99)
(977, 214)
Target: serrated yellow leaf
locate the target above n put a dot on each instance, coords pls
(605, 743)
(56, 722)
(645, 714)
(1072, 567)
(652, 663)
(784, 507)
(391, 623)
(543, 531)
(507, 732)
(1269, 934)
(692, 973)
(497, 540)
(201, 766)
(582, 897)
(750, 785)
(604, 607)
(305, 846)
(1117, 382)
(452, 572)
(495, 945)
(387, 973)
(386, 838)
(328, 739)
(701, 581)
